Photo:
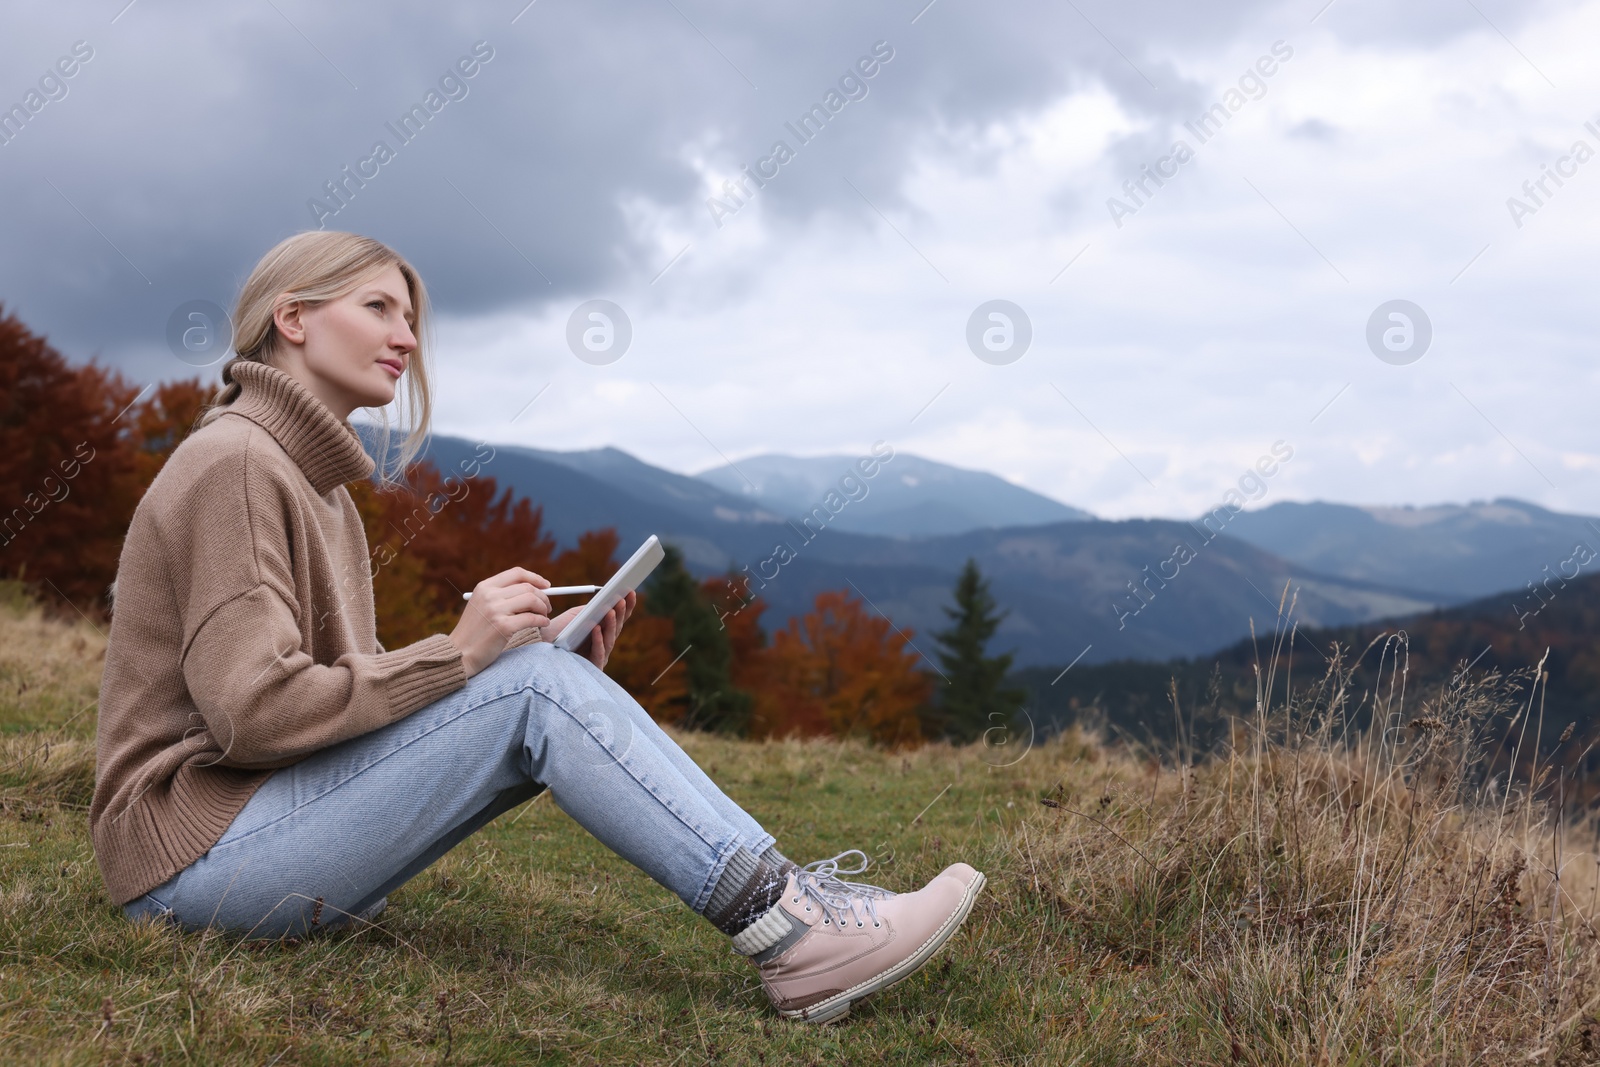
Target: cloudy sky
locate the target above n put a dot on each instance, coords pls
(1359, 152)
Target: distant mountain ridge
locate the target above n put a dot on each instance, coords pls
(1060, 581)
(653, 484)
(1456, 551)
(911, 496)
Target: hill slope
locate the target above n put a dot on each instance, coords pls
(1504, 633)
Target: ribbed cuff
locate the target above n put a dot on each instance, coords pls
(528, 636)
(421, 673)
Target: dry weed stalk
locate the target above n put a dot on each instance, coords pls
(1347, 880)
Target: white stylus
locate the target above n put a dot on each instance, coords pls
(556, 590)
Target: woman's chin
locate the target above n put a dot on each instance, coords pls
(377, 398)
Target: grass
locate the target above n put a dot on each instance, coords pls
(1318, 894)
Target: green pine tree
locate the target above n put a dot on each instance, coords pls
(975, 699)
(714, 703)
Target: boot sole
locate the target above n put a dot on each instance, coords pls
(837, 1007)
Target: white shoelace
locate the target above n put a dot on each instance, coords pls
(837, 898)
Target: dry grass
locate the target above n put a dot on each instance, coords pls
(49, 668)
(49, 687)
(1344, 885)
(1327, 892)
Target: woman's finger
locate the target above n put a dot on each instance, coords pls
(512, 596)
(609, 626)
(514, 576)
(522, 574)
(515, 624)
(526, 597)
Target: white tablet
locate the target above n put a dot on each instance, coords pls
(628, 578)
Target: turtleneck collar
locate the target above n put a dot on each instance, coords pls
(325, 449)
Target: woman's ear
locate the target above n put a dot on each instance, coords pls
(287, 318)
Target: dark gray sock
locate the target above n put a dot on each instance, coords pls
(749, 886)
(779, 860)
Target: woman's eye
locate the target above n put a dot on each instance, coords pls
(375, 304)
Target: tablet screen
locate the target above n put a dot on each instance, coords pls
(628, 578)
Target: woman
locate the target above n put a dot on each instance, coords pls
(265, 766)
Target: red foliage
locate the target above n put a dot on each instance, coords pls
(840, 671)
(68, 471)
(161, 420)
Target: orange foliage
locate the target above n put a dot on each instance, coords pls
(748, 667)
(643, 652)
(160, 423)
(639, 664)
(840, 671)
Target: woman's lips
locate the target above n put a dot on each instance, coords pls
(392, 369)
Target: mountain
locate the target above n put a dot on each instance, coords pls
(713, 528)
(1456, 551)
(1061, 582)
(908, 497)
(1108, 615)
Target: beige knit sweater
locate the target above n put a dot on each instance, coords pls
(243, 637)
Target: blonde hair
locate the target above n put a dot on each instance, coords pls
(313, 268)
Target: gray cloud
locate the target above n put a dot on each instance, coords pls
(195, 137)
(1314, 130)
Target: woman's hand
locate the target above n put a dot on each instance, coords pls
(500, 607)
(603, 636)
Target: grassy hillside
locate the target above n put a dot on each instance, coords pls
(1509, 634)
(1313, 899)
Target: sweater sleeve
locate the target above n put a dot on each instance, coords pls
(266, 703)
(263, 698)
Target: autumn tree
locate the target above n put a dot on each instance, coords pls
(974, 698)
(740, 615)
(72, 468)
(700, 646)
(160, 421)
(434, 538)
(406, 607)
(838, 670)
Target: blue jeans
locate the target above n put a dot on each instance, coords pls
(353, 822)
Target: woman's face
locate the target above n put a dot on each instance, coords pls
(351, 351)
